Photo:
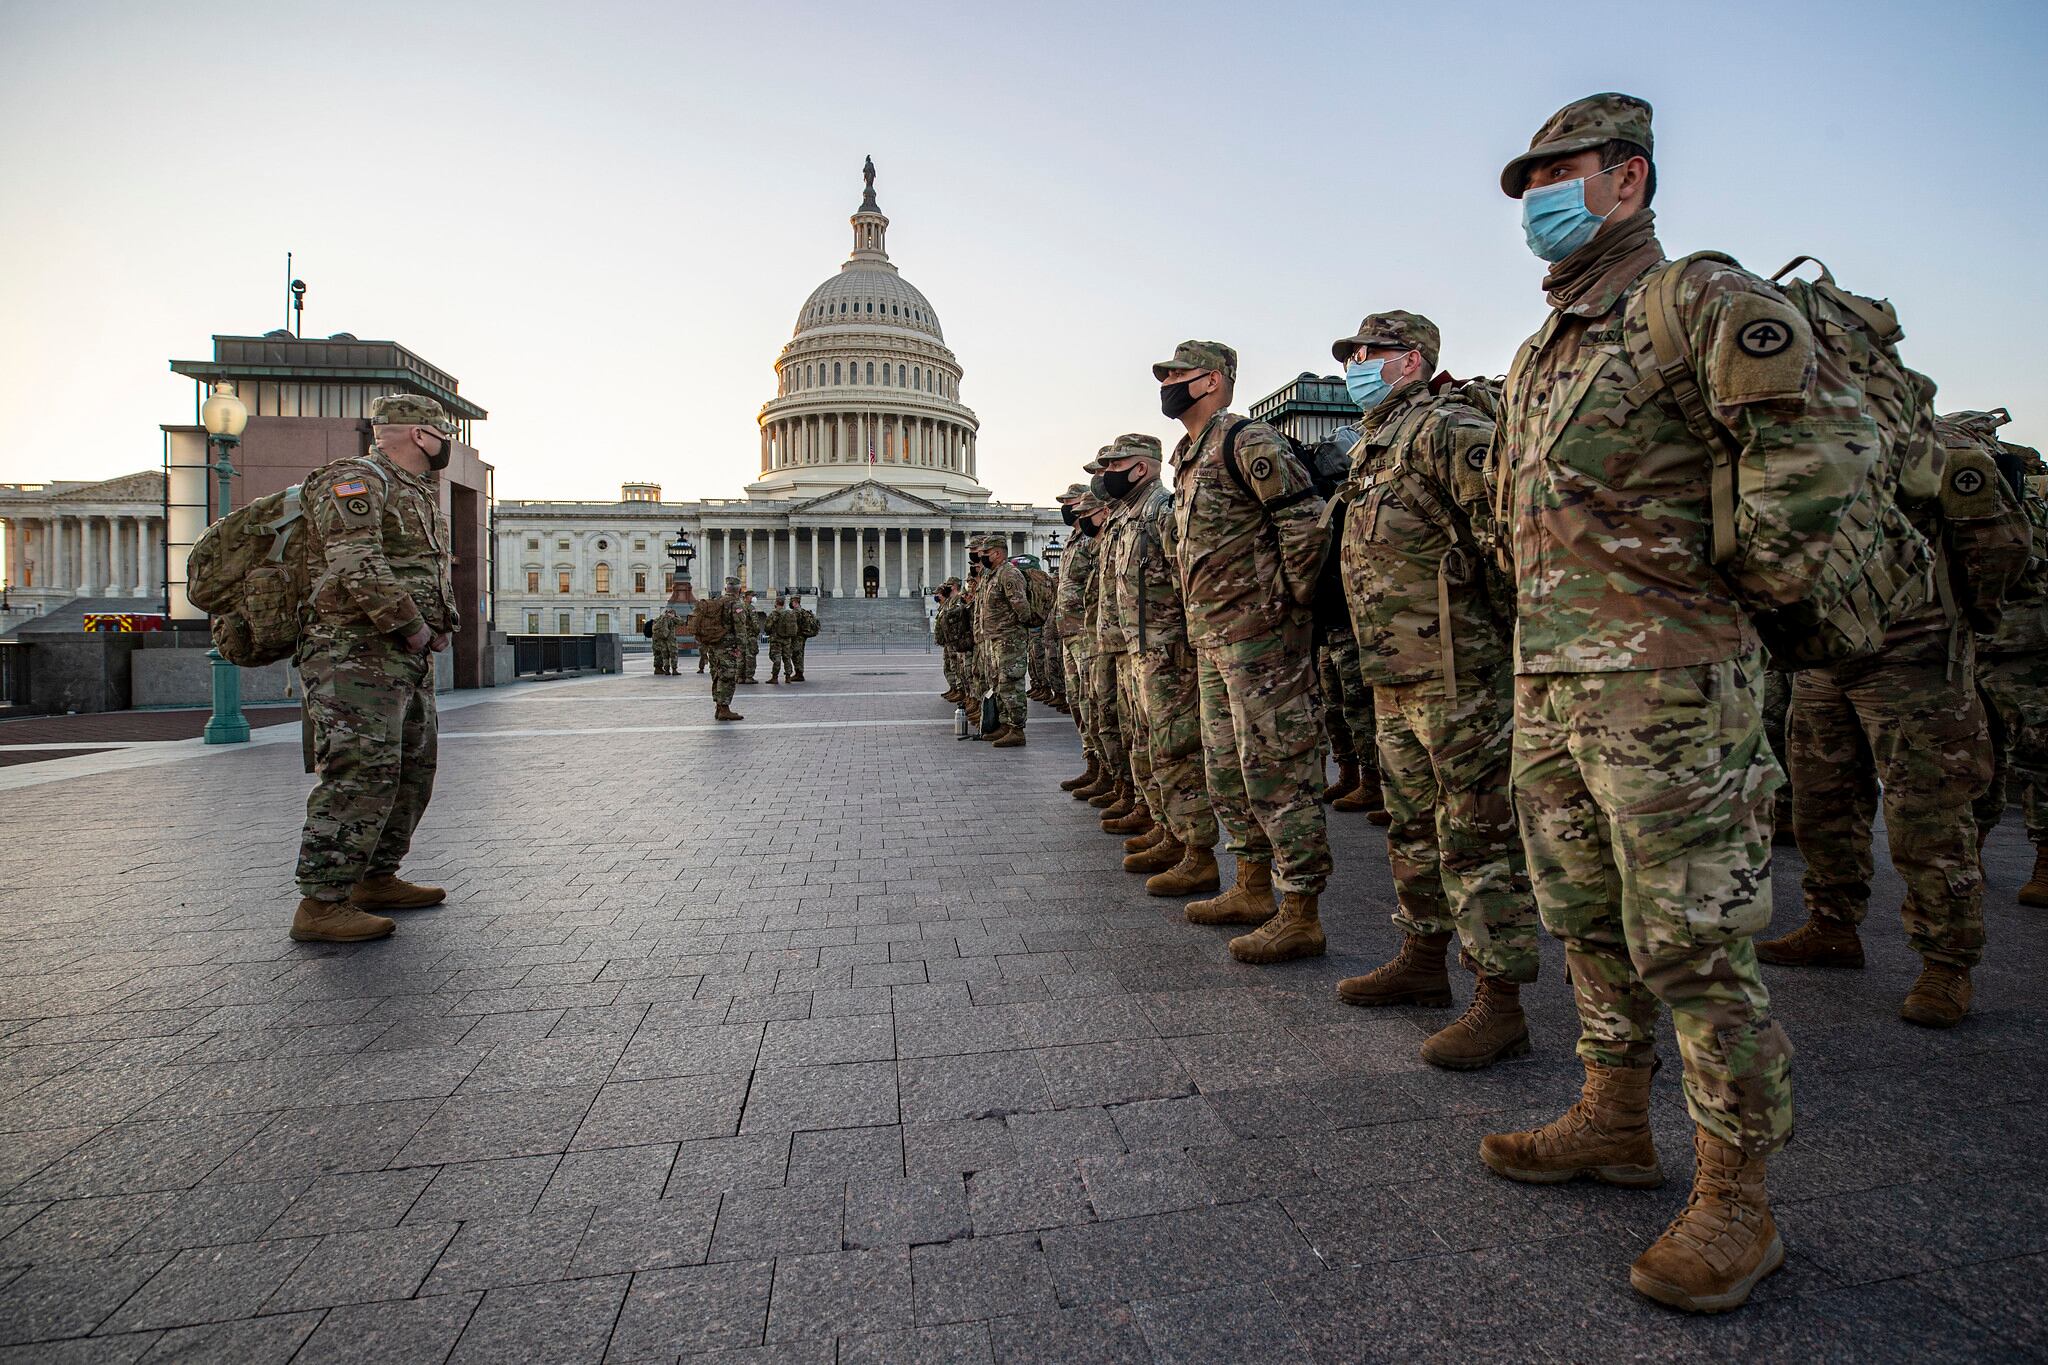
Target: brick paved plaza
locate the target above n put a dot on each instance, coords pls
(824, 1037)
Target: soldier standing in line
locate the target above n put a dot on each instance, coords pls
(942, 631)
(1641, 772)
(999, 615)
(750, 640)
(662, 630)
(1141, 568)
(720, 624)
(382, 605)
(781, 634)
(1251, 548)
(970, 642)
(1130, 814)
(1437, 658)
(1111, 792)
(2012, 668)
(1076, 567)
(806, 622)
(1347, 717)
(1907, 721)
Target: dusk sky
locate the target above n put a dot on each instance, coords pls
(603, 217)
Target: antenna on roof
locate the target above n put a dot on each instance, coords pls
(287, 289)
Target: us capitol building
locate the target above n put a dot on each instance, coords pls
(868, 482)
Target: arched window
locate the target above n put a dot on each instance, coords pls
(835, 372)
(603, 575)
(842, 306)
(871, 306)
(899, 376)
(871, 372)
(807, 376)
(885, 374)
(894, 311)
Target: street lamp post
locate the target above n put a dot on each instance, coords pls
(225, 418)
(1053, 554)
(680, 553)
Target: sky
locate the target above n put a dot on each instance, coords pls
(603, 217)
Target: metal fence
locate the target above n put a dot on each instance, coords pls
(14, 677)
(535, 655)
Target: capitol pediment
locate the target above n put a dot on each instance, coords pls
(147, 486)
(868, 499)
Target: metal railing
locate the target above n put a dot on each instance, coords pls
(14, 675)
(535, 655)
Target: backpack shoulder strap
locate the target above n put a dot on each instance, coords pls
(1672, 348)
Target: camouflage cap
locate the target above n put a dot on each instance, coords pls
(410, 410)
(954, 581)
(1198, 355)
(1409, 331)
(731, 581)
(1074, 490)
(1135, 445)
(1094, 466)
(1087, 503)
(1578, 127)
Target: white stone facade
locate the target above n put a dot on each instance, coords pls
(67, 539)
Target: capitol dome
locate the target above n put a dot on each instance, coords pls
(866, 387)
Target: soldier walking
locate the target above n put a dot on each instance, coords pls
(1251, 547)
(382, 605)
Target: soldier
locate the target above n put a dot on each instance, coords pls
(1129, 812)
(1347, 717)
(751, 627)
(1908, 720)
(1641, 772)
(381, 606)
(806, 631)
(721, 624)
(1111, 792)
(781, 638)
(1141, 569)
(970, 645)
(662, 630)
(1000, 611)
(942, 631)
(1251, 548)
(2012, 672)
(1429, 643)
(1077, 568)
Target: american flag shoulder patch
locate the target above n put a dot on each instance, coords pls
(354, 488)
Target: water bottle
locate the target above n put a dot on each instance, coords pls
(959, 722)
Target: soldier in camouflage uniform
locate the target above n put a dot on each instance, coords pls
(381, 606)
(1064, 627)
(1000, 609)
(725, 655)
(1111, 792)
(1641, 772)
(1777, 720)
(662, 631)
(781, 639)
(1348, 723)
(1140, 566)
(942, 631)
(1437, 658)
(1248, 524)
(804, 623)
(1908, 720)
(2012, 669)
(1131, 813)
(750, 640)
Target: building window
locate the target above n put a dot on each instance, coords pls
(561, 623)
(871, 372)
(533, 623)
(639, 580)
(639, 544)
(533, 580)
(639, 621)
(561, 544)
(885, 374)
(604, 623)
(604, 545)
(899, 376)
(835, 372)
(603, 575)
(561, 580)
(533, 542)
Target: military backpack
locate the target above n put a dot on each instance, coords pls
(807, 625)
(1038, 592)
(1876, 567)
(708, 621)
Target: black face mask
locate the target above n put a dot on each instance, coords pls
(439, 459)
(1174, 399)
(1117, 482)
(1067, 515)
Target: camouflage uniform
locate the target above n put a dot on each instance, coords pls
(1249, 557)
(2012, 666)
(1077, 573)
(1908, 720)
(806, 625)
(781, 632)
(1640, 766)
(1112, 663)
(1141, 578)
(1347, 701)
(662, 630)
(1096, 671)
(1417, 591)
(380, 550)
(750, 641)
(725, 656)
(999, 632)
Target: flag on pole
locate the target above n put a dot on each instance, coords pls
(871, 447)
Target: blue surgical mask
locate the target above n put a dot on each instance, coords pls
(1367, 382)
(1556, 221)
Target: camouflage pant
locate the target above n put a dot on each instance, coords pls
(1166, 706)
(1453, 846)
(749, 657)
(796, 653)
(703, 657)
(778, 658)
(1347, 703)
(1102, 715)
(2015, 691)
(664, 657)
(1262, 754)
(375, 732)
(1777, 716)
(1072, 651)
(1642, 802)
(1052, 654)
(1137, 749)
(725, 669)
(950, 659)
(1003, 666)
(1904, 724)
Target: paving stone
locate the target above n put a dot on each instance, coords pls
(734, 1163)
(500, 1124)
(657, 1052)
(633, 1113)
(971, 1087)
(957, 1146)
(578, 1060)
(570, 1320)
(130, 1158)
(211, 1284)
(1112, 1073)
(253, 1341)
(217, 1215)
(980, 1277)
(842, 1154)
(1244, 1325)
(499, 1251)
(1185, 1121)
(754, 1225)
(82, 1227)
(1025, 1197)
(1350, 1228)
(610, 1175)
(504, 1188)
(647, 1235)
(303, 1143)
(70, 1298)
(825, 1042)
(955, 1344)
(812, 1097)
(363, 1267)
(1095, 1333)
(376, 1334)
(843, 1291)
(120, 1350)
(1150, 1181)
(353, 1202)
(881, 1213)
(1175, 1253)
(696, 1308)
(1064, 1135)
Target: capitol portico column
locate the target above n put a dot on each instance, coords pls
(835, 561)
(927, 556)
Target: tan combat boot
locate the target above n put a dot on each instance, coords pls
(1297, 931)
(1137, 822)
(1248, 901)
(1347, 780)
(1009, 739)
(1138, 843)
(1722, 1243)
(2035, 892)
(1117, 802)
(318, 921)
(1415, 976)
(727, 713)
(1492, 1029)
(1194, 873)
(1940, 996)
(1605, 1134)
(1157, 858)
(1094, 771)
(1819, 942)
(394, 893)
(1103, 782)
(1366, 797)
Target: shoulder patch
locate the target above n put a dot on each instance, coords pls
(1762, 352)
(1969, 485)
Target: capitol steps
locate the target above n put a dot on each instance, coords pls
(866, 622)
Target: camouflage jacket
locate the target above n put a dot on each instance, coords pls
(379, 549)
(806, 622)
(1001, 605)
(734, 609)
(1248, 563)
(1141, 571)
(2023, 629)
(1605, 487)
(1077, 569)
(1112, 636)
(662, 629)
(956, 622)
(1410, 557)
(782, 624)
(757, 620)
